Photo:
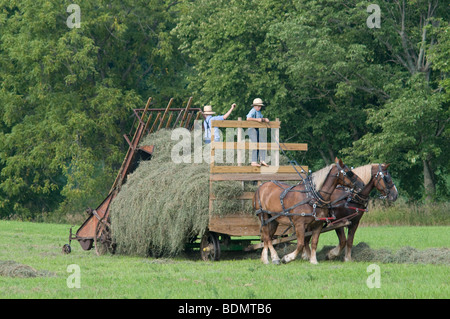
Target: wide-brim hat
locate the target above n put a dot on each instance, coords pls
(257, 102)
(207, 110)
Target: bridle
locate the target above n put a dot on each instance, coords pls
(387, 181)
(357, 198)
(352, 176)
(341, 171)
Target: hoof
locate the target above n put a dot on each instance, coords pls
(276, 262)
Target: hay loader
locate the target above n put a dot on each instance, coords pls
(96, 229)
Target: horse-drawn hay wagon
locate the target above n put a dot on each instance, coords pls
(232, 231)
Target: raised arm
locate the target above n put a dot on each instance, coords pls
(229, 111)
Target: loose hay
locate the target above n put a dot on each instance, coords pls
(163, 204)
(11, 268)
(405, 255)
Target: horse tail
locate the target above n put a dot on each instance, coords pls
(255, 201)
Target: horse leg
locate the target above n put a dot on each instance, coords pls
(336, 251)
(351, 235)
(267, 232)
(265, 237)
(300, 230)
(314, 242)
(306, 250)
(273, 253)
(264, 254)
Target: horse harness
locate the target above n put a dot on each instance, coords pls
(358, 199)
(313, 198)
(352, 197)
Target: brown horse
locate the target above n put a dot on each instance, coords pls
(352, 205)
(302, 205)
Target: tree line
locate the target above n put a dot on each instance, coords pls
(347, 88)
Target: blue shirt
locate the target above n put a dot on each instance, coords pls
(254, 114)
(207, 126)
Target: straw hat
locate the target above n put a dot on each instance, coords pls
(257, 102)
(207, 110)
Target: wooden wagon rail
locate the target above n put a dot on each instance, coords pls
(240, 224)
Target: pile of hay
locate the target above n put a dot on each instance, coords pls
(164, 204)
(10, 268)
(405, 255)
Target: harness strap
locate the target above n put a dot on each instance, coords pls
(286, 212)
(357, 209)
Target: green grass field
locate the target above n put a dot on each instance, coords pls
(235, 276)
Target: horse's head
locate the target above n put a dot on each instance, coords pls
(384, 184)
(347, 178)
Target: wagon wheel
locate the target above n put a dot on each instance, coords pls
(102, 239)
(66, 249)
(210, 246)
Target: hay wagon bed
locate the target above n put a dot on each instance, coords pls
(230, 232)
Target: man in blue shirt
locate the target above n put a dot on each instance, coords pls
(207, 110)
(256, 115)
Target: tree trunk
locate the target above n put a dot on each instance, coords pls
(428, 183)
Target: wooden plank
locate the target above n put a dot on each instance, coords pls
(245, 195)
(275, 136)
(264, 146)
(165, 114)
(256, 170)
(294, 146)
(188, 106)
(245, 124)
(188, 120)
(238, 225)
(155, 122)
(238, 146)
(255, 177)
(150, 115)
(169, 120)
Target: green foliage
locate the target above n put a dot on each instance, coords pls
(231, 55)
(369, 95)
(66, 96)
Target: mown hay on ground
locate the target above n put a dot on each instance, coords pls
(405, 255)
(10, 268)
